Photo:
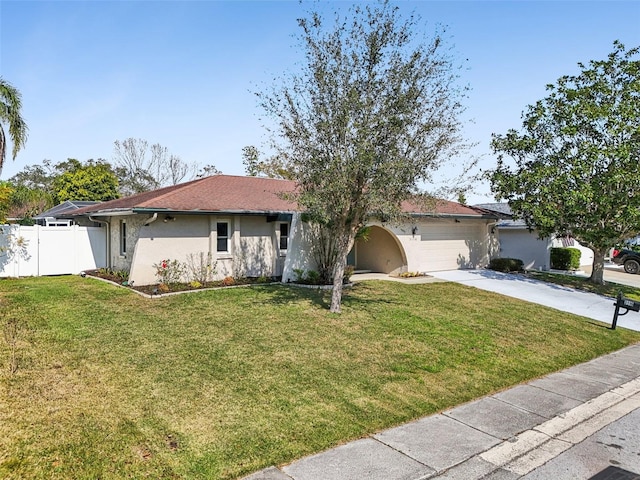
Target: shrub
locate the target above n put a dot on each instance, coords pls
(121, 274)
(299, 275)
(201, 267)
(169, 271)
(348, 271)
(313, 278)
(195, 284)
(565, 258)
(410, 274)
(310, 277)
(506, 265)
(228, 281)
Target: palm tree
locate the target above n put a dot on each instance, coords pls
(10, 105)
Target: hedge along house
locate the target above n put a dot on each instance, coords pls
(251, 229)
(243, 222)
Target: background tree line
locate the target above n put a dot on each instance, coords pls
(137, 167)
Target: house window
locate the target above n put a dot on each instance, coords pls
(223, 237)
(284, 236)
(123, 237)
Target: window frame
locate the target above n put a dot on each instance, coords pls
(287, 237)
(227, 237)
(123, 238)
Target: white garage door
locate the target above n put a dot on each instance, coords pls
(449, 245)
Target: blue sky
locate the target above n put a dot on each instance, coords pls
(183, 73)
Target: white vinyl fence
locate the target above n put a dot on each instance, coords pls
(37, 250)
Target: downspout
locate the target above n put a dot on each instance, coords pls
(108, 237)
(151, 219)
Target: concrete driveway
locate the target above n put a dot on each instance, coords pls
(561, 298)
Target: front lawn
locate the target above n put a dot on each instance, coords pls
(221, 383)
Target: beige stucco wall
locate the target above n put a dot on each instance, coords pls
(299, 255)
(253, 245)
(438, 244)
(171, 240)
(134, 223)
(380, 253)
(525, 245)
(256, 252)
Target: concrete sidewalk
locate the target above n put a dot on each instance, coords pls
(507, 436)
(585, 304)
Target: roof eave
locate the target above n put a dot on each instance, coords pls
(100, 213)
(453, 215)
(213, 212)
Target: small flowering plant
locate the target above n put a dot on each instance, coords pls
(169, 271)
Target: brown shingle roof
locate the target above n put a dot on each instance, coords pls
(218, 193)
(228, 193)
(440, 207)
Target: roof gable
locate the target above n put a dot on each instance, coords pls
(503, 209)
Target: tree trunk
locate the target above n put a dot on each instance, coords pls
(597, 271)
(336, 293)
(345, 243)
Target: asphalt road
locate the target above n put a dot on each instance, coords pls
(616, 445)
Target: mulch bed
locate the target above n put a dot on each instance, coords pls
(158, 289)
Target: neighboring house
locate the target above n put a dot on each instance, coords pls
(57, 216)
(517, 240)
(251, 229)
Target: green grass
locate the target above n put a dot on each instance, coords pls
(611, 289)
(222, 383)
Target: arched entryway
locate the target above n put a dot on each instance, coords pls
(381, 252)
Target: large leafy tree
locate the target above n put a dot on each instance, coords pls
(10, 115)
(38, 176)
(38, 187)
(32, 190)
(372, 113)
(6, 190)
(577, 157)
(25, 203)
(94, 180)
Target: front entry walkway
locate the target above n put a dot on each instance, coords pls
(359, 277)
